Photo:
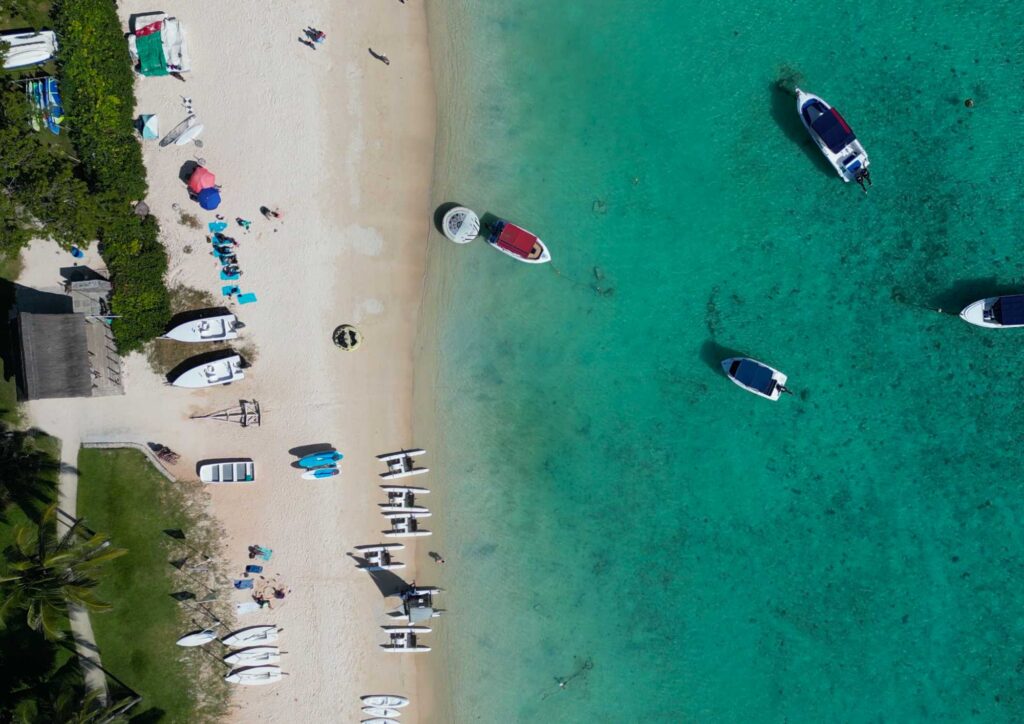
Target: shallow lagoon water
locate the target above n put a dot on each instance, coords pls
(613, 511)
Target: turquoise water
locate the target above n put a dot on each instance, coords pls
(613, 511)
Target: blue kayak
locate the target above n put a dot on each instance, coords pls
(54, 107)
(320, 459)
(318, 473)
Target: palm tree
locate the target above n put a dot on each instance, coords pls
(47, 572)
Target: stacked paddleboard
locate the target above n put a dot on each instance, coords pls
(322, 464)
(48, 109)
(383, 708)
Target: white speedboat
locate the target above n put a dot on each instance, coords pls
(251, 636)
(197, 638)
(756, 377)
(518, 243)
(379, 557)
(405, 525)
(402, 639)
(253, 655)
(461, 225)
(208, 329)
(834, 137)
(401, 464)
(239, 470)
(393, 701)
(254, 675)
(28, 48)
(381, 711)
(209, 374)
(997, 312)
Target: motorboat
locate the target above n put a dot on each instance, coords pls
(518, 243)
(251, 636)
(405, 525)
(197, 638)
(392, 701)
(401, 464)
(417, 604)
(834, 137)
(381, 711)
(238, 470)
(998, 312)
(209, 374)
(402, 639)
(321, 459)
(28, 48)
(461, 225)
(208, 329)
(379, 557)
(402, 500)
(254, 675)
(254, 655)
(756, 377)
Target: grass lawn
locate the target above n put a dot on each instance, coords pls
(122, 495)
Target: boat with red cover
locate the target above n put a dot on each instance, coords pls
(518, 243)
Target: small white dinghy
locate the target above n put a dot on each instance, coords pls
(197, 638)
(401, 464)
(251, 636)
(996, 312)
(381, 711)
(209, 374)
(238, 470)
(254, 675)
(402, 639)
(379, 557)
(756, 377)
(393, 701)
(208, 329)
(461, 225)
(254, 655)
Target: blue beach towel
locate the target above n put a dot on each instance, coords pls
(246, 298)
(245, 583)
(217, 226)
(230, 289)
(228, 277)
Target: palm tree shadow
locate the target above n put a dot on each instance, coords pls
(28, 474)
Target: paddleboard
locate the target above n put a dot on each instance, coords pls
(176, 132)
(55, 107)
(386, 700)
(197, 638)
(321, 473)
(381, 711)
(321, 458)
(254, 655)
(379, 721)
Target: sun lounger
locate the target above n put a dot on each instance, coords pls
(243, 583)
(246, 298)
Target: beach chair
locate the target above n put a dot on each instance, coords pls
(243, 583)
(251, 568)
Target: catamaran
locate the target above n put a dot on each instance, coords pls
(834, 137)
(518, 243)
(379, 557)
(756, 377)
(209, 374)
(402, 500)
(461, 225)
(405, 525)
(418, 604)
(401, 464)
(208, 329)
(996, 312)
(402, 639)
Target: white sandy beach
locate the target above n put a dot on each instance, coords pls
(343, 145)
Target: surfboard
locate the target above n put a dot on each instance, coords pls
(321, 458)
(55, 108)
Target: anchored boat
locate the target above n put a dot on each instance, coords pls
(997, 312)
(209, 374)
(461, 225)
(518, 243)
(756, 377)
(834, 137)
(208, 329)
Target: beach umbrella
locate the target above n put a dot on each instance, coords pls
(209, 198)
(150, 127)
(201, 179)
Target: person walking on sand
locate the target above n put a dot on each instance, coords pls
(380, 56)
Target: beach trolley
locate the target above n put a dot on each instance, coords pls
(238, 470)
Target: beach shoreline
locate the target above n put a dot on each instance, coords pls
(342, 144)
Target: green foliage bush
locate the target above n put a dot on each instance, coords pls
(97, 87)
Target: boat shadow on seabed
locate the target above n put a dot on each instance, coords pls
(784, 112)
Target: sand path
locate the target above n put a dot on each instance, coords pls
(343, 145)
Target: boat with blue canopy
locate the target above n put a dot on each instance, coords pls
(756, 377)
(998, 312)
(834, 137)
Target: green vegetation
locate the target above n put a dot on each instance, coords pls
(120, 492)
(10, 267)
(97, 86)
